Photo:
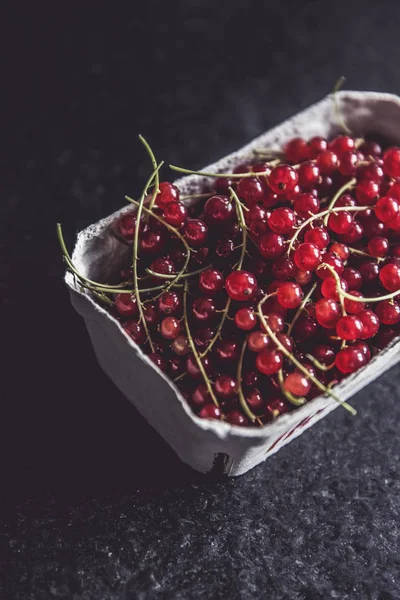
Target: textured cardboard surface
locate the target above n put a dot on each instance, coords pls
(198, 442)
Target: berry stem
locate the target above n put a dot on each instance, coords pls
(350, 184)
(155, 170)
(339, 117)
(193, 347)
(228, 175)
(319, 216)
(361, 253)
(175, 232)
(249, 413)
(301, 308)
(319, 365)
(297, 363)
(338, 285)
(165, 276)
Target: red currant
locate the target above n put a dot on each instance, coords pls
(170, 328)
(308, 175)
(126, 305)
(349, 327)
(269, 361)
(386, 209)
(296, 383)
(317, 236)
(257, 341)
(240, 285)
(290, 295)
(378, 246)
(271, 245)
(175, 213)
(245, 319)
(282, 220)
(196, 232)
(282, 179)
(306, 205)
(168, 193)
(327, 313)
(218, 209)
(391, 162)
(307, 257)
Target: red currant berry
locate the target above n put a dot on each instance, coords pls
(297, 150)
(353, 278)
(218, 209)
(308, 175)
(306, 205)
(282, 220)
(388, 312)
(274, 321)
(235, 417)
(327, 162)
(163, 266)
(269, 361)
(373, 172)
(317, 145)
(257, 341)
(296, 383)
(240, 285)
(340, 222)
(192, 368)
(367, 192)
(386, 209)
(305, 328)
(341, 250)
(283, 268)
(245, 319)
(251, 190)
(126, 226)
(275, 408)
(341, 144)
(390, 277)
(210, 411)
(170, 328)
(152, 242)
(290, 295)
(126, 305)
(391, 162)
(222, 185)
(168, 193)
(227, 350)
(151, 315)
(378, 246)
(175, 214)
(349, 327)
(269, 199)
(333, 261)
(349, 359)
(225, 386)
(307, 257)
(394, 191)
(255, 214)
(282, 179)
(203, 309)
(370, 323)
(302, 277)
(317, 236)
(271, 245)
(327, 313)
(158, 360)
(369, 270)
(346, 200)
(135, 331)
(348, 163)
(286, 341)
(169, 303)
(211, 281)
(180, 345)
(329, 287)
(196, 232)
(371, 148)
(324, 354)
(352, 306)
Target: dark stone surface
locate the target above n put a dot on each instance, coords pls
(94, 505)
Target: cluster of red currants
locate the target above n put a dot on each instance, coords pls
(291, 281)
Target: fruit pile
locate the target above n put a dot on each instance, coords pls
(270, 286)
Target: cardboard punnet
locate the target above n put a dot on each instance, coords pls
(205, 444)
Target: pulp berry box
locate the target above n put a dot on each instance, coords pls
(212, 445)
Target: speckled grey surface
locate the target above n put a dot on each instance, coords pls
(93, 504)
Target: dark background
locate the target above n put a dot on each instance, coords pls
(94, 505)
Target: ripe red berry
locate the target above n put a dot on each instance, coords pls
(308, 175)
(170, 328)
(211, 281)
(275, 321)
(327, 312)
(388, 312)
(306, 205)
(332, 260)
(203, 309)
(222, 185)
(240, 285)
(324, 354)
(158, 360)
(341, 250)
(317, 236)
(327, 162)
(369, 270)
(251, 190)
(271, 245)
(225, 386)
(348, 163)
(340, 222)
(352, 306)
(169, 303)
(210, 411)
(391, 162)
(353, 278)
(152, 242)
(297, 150)
(196, 232)
(282, 220)
(163, 266)
(135, 331)
(283, 268)
(307, 257)
(297, 384)
(175, 213)
(386, 209)
(367, 192)
(390, 277)
(257, 341)
(329, 287)
(245, 319)
(346, 200)
(349, 327)
(349, 359)
(317, 145)
(126, 305)
(378, 246)
(235, 417)
(227, 350)
(180, 345)
(282, 179)
(269, 361)
(218, 209)
(290, 295)
(168, 193)
(341, 144)
(126, 226)
(370, 323)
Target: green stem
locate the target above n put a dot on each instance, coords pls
(301, 308)
(249, 413)
(339, 116)
(296, 363)
(193, 347)
(207, 174)
(318, 364)
(336, 197)
(155, 170)
(164, 276)
(361, 253)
